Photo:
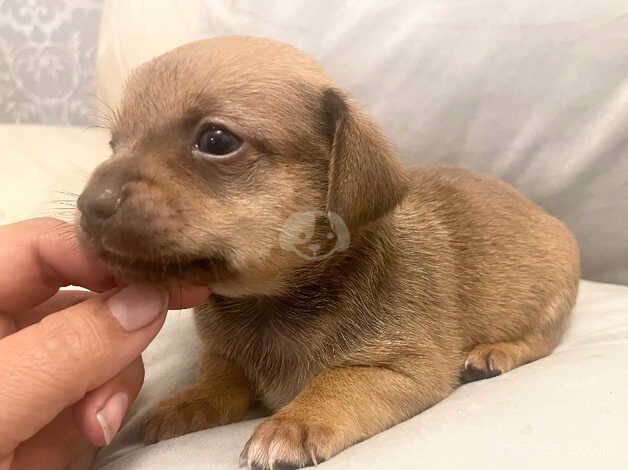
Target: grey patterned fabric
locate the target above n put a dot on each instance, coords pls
(47, 61)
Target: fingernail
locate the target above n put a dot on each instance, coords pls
(111, 415)
(137, 305)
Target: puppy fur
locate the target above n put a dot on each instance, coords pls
(448, 276)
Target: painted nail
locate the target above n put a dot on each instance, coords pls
(137, 305)
(111, 415)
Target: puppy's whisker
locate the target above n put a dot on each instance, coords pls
(107, 115)
(61, 215)
(63, 202)
(67, 193)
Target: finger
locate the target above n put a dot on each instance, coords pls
(52, 364)
(61, 300)
(187, 296)
(7, 326)
(57, 445)
(180, 297)
(100, 414)
(44, 255)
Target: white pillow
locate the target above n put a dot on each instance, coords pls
(44, 168)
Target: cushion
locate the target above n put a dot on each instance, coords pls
(47, 61)
(567, 410)
(534, 92)
(127, 39)
(44, 168)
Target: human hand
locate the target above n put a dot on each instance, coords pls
(70, 363)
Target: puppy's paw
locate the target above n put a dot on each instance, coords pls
(179, 415)
(488, 360)
(283, 443)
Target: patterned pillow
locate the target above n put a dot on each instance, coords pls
(47, 61)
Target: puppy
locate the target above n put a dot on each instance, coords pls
(349, 293)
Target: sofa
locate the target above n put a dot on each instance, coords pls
(530, 91)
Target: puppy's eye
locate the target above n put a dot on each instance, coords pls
(217, 141)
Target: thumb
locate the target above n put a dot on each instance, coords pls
(52, 364)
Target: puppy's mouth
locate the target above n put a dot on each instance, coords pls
(166, 269)
(161, 267)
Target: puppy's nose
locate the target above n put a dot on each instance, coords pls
(98, 203)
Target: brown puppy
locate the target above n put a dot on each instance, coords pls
(227, 155)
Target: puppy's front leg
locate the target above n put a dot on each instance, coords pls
(221, 394)
(336, 409)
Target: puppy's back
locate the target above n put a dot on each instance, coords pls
(513, 268)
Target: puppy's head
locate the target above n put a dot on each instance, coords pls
(216, 145)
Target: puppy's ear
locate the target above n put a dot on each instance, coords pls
(366, 180)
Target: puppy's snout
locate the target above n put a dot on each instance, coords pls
(104, 194)
(126, 213)
(100, 203)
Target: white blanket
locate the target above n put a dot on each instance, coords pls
(568, 410)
